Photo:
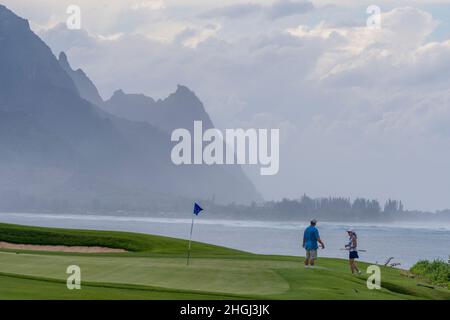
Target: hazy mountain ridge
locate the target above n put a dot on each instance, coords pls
(57, 146)
(179, 110)
(85, 86)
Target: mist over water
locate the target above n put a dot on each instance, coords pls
(406, 242)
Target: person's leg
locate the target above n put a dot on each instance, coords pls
(313, 257)
(352, 265)
(353, 256)
(307, 257)
(355, 267)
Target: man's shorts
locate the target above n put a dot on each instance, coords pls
(353, 255)
(311, 254)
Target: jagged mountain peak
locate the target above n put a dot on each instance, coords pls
(186, 97)
(25, 60)
(9, 21)
(119, 96)
(85, 86)
(179, 110)
(63, 61)
(182, 89)
(65, 64)
(118, 93)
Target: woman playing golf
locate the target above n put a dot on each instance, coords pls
(353, 252)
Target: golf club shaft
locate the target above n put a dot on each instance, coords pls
(362, 250)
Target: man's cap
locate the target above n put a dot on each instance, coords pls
(313, 221)
(350, 230)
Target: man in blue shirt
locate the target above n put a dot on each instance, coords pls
(310, 239)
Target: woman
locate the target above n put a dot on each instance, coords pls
(353, 253)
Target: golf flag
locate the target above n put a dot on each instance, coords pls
(197, 209)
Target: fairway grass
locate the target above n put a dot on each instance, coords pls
(155, 268)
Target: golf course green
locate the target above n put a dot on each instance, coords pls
(154, 267)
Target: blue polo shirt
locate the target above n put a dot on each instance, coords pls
(311, 235)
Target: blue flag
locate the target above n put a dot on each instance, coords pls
(197, 209)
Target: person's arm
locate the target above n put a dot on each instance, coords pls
(321, 243)
(354, 243)
(348, 245)
(319, 240)
(303, 245)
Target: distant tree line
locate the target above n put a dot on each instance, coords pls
(302, 209)
(331, 208)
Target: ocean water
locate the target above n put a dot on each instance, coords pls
(406, 243)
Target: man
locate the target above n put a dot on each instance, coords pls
(310, 239)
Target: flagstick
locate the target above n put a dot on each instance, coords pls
(190, 239)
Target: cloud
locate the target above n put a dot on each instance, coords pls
(284, 8)
(148, 5)
(279, 9)
(234, 11)
(362, 112)
(360, 56)
(192, 37)
(60, 38)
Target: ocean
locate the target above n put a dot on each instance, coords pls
(405, 243)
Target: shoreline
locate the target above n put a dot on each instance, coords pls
(439, 226)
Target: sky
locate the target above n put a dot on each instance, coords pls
(362, 112)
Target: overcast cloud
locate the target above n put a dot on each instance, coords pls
(361, 112)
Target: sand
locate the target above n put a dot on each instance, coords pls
(80, 249)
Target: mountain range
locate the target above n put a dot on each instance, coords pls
(63, 146)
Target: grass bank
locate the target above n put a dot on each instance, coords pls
(155, 268)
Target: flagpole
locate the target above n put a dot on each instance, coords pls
(190, 239)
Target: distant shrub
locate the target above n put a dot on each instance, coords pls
(437, 271)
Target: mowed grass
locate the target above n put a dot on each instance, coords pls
(155, 268)
(133, 242)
